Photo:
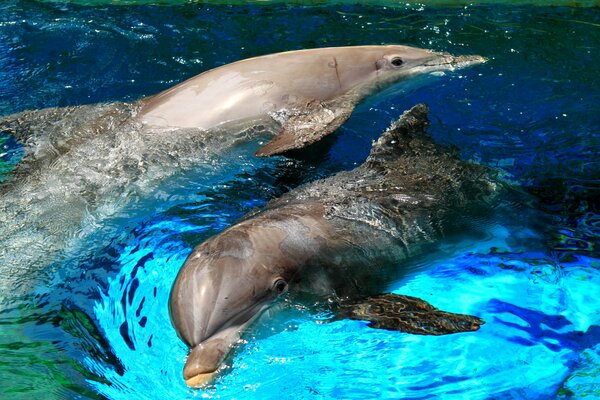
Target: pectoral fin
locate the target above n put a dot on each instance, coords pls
(308, 126)
(409, 314)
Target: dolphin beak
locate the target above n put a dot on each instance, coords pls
(200, 380)
(205, 359)
(445, 61)
(465, 61)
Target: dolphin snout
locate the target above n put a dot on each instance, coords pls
(203, 361)
(464, 61)
(449, 61)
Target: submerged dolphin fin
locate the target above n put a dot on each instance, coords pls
(408, 314)
(308, 126)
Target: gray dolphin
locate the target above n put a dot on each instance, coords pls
(311, 92)
(332, 238)
(88, 166)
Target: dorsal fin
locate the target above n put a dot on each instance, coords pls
(405, 137)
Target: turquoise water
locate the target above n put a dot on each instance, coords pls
(97, 326)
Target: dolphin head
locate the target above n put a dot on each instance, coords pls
(223, 285)
(370, 68)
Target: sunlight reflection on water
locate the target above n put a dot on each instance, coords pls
(533, 111)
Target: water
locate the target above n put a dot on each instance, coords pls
(95, 325)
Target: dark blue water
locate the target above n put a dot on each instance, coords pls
(100, 328)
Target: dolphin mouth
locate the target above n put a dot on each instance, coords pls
(466, 61)
(201, 380)
(205, 359)
(445, 61)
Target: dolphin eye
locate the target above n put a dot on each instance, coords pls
(280, 286)
(397, 61)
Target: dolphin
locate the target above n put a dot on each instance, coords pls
(88, 167)
(332, 239)
(310, 92)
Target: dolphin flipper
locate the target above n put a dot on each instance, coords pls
(308, 126)
(409, 314)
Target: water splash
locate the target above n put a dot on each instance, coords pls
(532, 110)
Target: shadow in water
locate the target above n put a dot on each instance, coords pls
(542, 328)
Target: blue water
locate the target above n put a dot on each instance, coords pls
(100, 328)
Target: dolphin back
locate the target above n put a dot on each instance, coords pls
(408, 156)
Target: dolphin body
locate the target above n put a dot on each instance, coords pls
(332, 239)
(86, 167)
(310, 92)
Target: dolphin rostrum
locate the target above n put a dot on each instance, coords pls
(332, 238)
(87, 166)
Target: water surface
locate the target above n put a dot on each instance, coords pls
(96, 325)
